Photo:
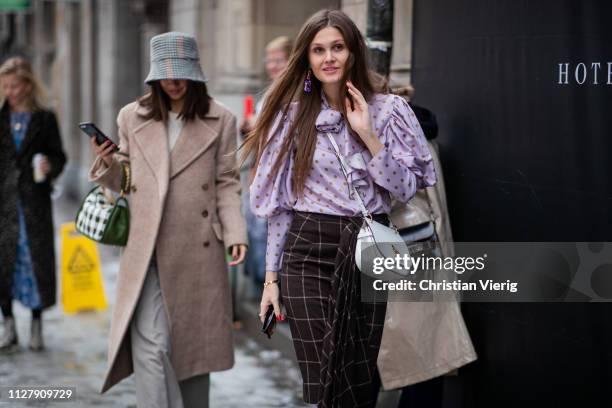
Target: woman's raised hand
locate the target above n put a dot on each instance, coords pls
(359, 119)
(359, 115)
(105, 150)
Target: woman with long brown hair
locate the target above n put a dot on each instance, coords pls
(276, 58)
(172, 321)
(327, 99)
(29, 135)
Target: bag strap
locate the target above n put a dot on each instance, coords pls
(125, 179)
(352, 190)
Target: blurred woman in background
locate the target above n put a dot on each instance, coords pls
(31, 157)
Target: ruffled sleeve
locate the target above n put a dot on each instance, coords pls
(405, 164)
(271, 194)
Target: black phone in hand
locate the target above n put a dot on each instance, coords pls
(269, 322)
(92, 131)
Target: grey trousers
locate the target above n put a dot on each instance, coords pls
(156, 383)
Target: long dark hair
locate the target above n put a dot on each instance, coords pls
(197, 102)
(289, 87)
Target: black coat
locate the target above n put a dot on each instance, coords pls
(427, 120)
(17, 182)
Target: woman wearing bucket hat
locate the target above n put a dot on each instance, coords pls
(171, 323)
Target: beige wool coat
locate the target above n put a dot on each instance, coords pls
(423, 340)
(185, 206)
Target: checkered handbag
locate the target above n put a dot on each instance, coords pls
(103, 218)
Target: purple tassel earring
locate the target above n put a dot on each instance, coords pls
(307, 83)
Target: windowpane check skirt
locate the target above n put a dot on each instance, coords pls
(336, 336)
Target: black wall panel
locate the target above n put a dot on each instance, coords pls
(526, 146)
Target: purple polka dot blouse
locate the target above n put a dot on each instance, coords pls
(402, 167)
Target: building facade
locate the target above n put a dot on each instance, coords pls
(93, 54)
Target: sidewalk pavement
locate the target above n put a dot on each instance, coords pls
(76, 354)
(265, 374)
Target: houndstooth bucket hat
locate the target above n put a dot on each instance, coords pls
(175, 56)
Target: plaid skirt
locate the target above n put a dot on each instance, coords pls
(336, 336)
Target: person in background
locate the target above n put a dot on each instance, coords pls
(275, 62)
(172, 322)
(423, 342)
(31, 158)
(277, 55)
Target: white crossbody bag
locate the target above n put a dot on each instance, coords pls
(374, 239)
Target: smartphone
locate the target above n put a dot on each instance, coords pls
(92, 131)
(269, 322)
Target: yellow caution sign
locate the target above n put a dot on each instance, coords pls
(82, 286)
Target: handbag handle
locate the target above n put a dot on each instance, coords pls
(125, 179)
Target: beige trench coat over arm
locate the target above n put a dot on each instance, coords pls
(185, 205)
(423, 340)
